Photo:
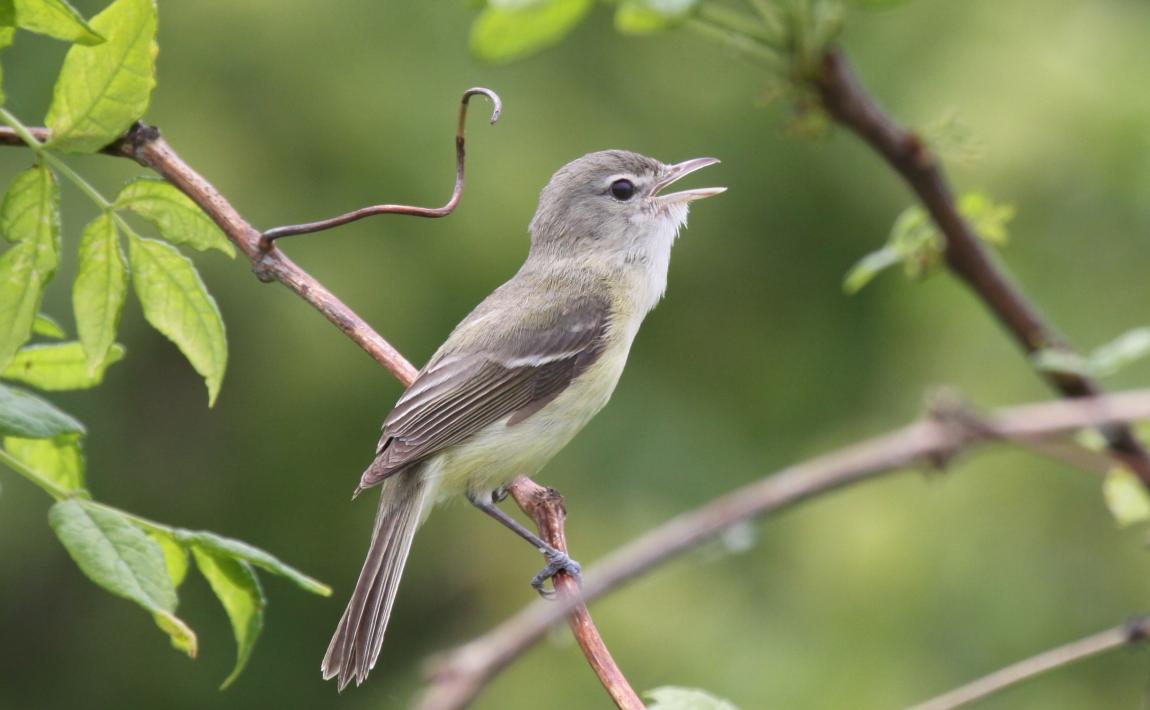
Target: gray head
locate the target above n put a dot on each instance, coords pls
(613, 199)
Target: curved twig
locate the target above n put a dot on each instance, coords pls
(460, 674)
(271, 235)
(1128, 634)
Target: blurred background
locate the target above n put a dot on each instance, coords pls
(873, 597)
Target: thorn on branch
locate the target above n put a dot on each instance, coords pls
(267, 241)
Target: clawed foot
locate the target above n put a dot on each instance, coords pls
(556, 562)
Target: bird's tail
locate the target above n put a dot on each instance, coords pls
(355, 646)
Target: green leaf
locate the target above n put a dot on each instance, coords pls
(30, 218)
(868, 267)
(103, 89)
(1126, 497)
(27, 416)
(639, 17)
(7, 14)
(121, 558)
(179, 220)
(46, 326)
(239, 591)
(181, 635)
(175, 556)
(21, 290)
(986, 217)
(178, 305)
(55, 18)
(243, 551)
(100, 288)
(507, 31)
(669, 697)
(1103, 361)
(59, 366)
(60, 460)
(1116, 355)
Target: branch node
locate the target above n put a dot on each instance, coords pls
(1137, 629)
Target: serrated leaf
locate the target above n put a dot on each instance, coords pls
(241, 550)
(670, 697)
(121, 558)
(1126, 497)
(30, 218)
(103, 89)
(175, 556)
(510, 31)
(177, 304)
(640, 17)
(60, 460)
(56, 367)
(179, 220)
(100, 288)
(44, 325)
(27, 416)
(238, 590)
(21, 291)
(55, 18)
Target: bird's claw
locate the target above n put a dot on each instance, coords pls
(556, 562)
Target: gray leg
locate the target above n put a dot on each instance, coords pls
(557, 560)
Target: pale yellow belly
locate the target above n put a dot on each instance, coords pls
(498, 454)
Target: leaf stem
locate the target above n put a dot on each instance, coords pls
(740, 23)
(749, 47)
(138, 521)
(66, 170)
(49, 486)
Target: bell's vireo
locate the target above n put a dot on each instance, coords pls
(523, 372)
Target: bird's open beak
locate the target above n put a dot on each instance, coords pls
(681, 170)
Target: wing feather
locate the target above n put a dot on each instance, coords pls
(514, 375)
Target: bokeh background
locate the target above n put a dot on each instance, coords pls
(873, 597)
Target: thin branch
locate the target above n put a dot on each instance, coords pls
(545, 506)
(848, 102)
(1127, 634)
(145, 145)
(456, 194)
(458, 675)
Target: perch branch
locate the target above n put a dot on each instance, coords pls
(848, 102)
(1134, 632)
(459, 675)
(545, 506)
(145, 145)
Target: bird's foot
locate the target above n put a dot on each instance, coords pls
(557, 561)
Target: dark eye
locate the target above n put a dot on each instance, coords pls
(622, 189)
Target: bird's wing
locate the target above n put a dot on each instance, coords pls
(514, 374)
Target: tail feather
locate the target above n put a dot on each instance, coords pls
(355, 646)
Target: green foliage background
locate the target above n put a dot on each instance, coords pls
(871, 598)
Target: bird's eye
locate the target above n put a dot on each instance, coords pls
(622, 189)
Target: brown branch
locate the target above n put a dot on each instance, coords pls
(1127, 634)
(848, 102)
(459, 675)
(545, 506)
(145, 145)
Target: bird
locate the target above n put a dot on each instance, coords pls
(521, 374)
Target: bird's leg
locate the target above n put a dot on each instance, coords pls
(557, 560)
